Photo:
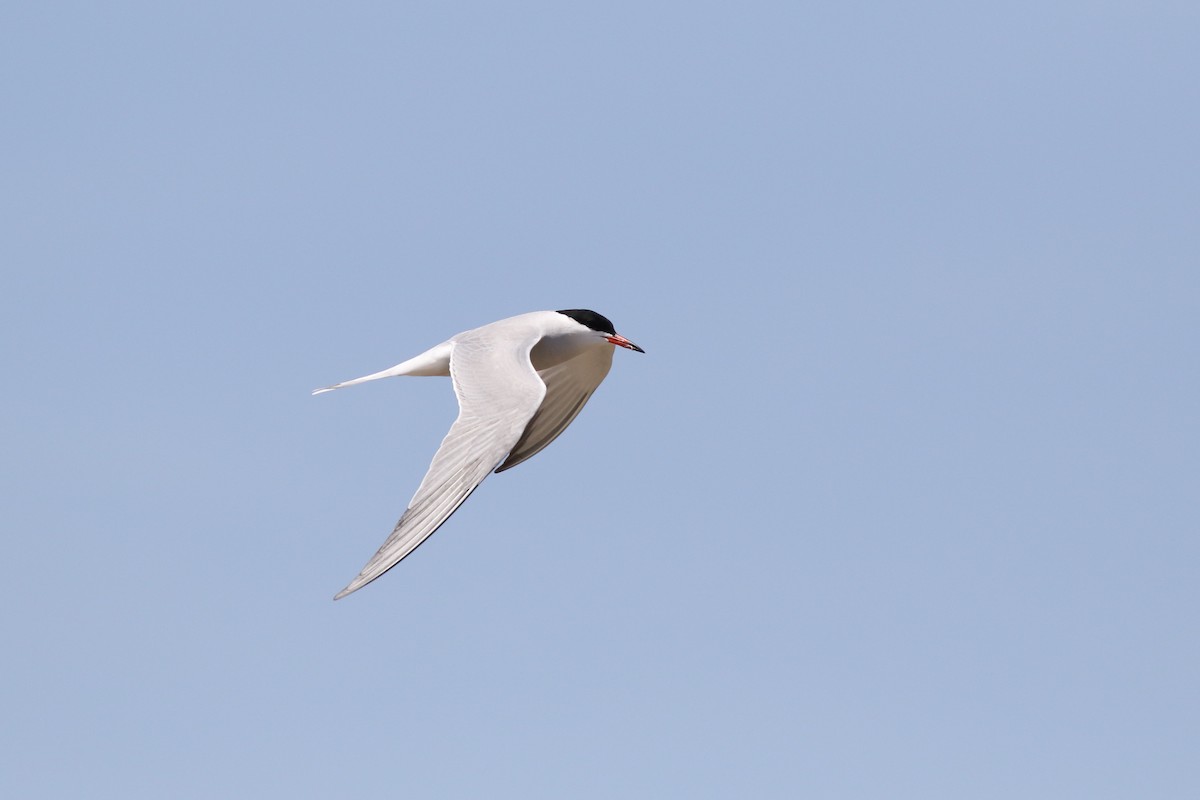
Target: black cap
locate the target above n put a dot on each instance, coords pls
(597, 322)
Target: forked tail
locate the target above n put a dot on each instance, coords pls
(434, 361)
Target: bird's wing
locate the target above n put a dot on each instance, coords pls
(568, 387)
(498, 392)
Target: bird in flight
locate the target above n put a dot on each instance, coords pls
(519, 383)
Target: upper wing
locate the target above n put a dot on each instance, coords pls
(498, 391)
(568, 387)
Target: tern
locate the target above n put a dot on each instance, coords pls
(519, 382)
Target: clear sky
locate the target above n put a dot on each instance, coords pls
(901, 502)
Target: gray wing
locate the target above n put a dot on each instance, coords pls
(568, 387)
(498, 392)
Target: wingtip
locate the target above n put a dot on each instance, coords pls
(350, 589)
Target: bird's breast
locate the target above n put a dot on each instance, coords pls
(552, 350)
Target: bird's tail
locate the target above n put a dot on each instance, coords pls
(434, 361)
(387, 373)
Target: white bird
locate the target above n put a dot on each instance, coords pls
(519, 383)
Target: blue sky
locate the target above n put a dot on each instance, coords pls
(900, 502)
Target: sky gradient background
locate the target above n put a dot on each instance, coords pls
(901, 501)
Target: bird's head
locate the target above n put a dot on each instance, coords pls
(601, 325)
